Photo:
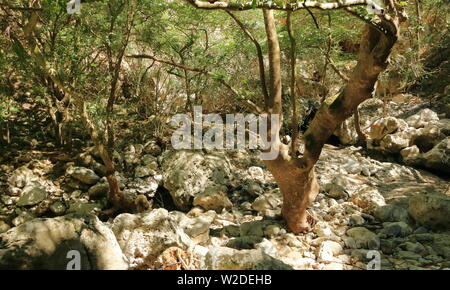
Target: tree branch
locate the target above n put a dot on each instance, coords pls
(290, 6)
(9, 6)
(262, 74)
(246, 102)
(298, 5)
(336, 70)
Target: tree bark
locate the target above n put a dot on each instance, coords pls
(295, 176)
(293, 84)
(299, 187)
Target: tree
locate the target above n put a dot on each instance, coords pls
(295, 174)
(52, 53)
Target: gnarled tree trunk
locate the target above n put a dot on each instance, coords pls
(295, 176)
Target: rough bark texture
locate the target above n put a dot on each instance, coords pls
(295, 176)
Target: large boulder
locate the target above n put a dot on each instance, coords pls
(189, 173)
(222, 258)
(58, 243)
(423, 118)
(394, 143)
(362, 238)
(143, 237)
(85, 175)
(32, 194)
(438, 158)
(431, 210)
(384, 126)
(21, 177)
(214, 197)
(410, 155)
(368, 198)
(427, 137)
(369, 111)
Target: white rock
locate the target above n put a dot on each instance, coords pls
(368, 198)
(85, 175)
(45, 244)
(256, 172)
(394, 143)
(422, 118)
(188, 173)
(322, 229)
(328, 250)
(147, 235)
(410, 154)
(213, 198)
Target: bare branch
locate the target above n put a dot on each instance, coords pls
(336, 70)
(298, 5)
(9, 6)
(290, 6)
(262, 74)
(312, 16)
(246, 102)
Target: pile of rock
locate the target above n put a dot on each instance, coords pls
(421, 139)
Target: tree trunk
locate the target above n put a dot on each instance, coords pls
(295, 176)
(293, 84)
(299, 187)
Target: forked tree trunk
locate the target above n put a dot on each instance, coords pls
(295, 176)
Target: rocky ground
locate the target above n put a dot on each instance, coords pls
(221, 210)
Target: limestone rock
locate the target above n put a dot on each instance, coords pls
(385, 126)
(267, 201)
(431, 210)
(438, 158)
(368, 198)
(392, 213)
(335, 191)
(410, 154)
(85, 175)
(58, 208)
(188, 173)
(21, 177)
(423, 118)
(221, 258)
(328, 250)
(32, 194)
(4, 227)
(394, 143)
(50, 243)
(99, 190)
(214, 197)
(143, 237)
(396, 229)
(364, 238)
